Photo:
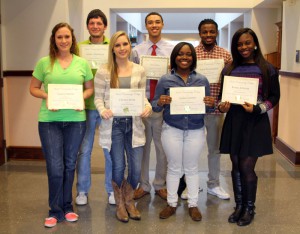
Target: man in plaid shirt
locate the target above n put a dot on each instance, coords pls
(208, 49)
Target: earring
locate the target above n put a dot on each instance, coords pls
(255, 48)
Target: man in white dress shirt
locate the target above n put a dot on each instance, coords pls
(154, 46)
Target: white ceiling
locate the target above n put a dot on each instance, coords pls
(187, 20)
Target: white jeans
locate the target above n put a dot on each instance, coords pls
(183, 149)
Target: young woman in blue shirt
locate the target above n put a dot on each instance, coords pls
(183, 135)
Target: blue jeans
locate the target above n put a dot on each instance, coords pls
(93, 120)
(121, 143)
(60, 143)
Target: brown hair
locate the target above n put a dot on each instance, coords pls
(53, 48)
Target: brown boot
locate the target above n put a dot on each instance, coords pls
(120, 205)
(128, 194)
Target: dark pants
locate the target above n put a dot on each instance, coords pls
(60, 143)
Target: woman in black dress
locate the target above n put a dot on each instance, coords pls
(246, 133)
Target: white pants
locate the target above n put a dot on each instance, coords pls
(183, 149)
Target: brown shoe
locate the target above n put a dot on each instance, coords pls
(139, 193)
(195, 213)
(162, 193)
(167, 212)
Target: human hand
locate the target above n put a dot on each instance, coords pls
(47, 105)
(147, 111)
(209, 101)
(163, 100)
(82, 108)
(224, 106)
(248, 107)
(106, 114)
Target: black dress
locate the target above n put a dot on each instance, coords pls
(249, 134)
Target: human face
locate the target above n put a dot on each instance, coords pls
(246, 47)
(154, 25)
(63, 40)
(96, 27)
(208, 34)
(184, 59)
(122, 48)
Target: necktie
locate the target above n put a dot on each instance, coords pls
(153, 53)
(153, 82)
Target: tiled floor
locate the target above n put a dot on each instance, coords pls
(23, 202)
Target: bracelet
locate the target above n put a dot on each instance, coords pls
(219, 107)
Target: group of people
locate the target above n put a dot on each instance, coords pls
(67, 135)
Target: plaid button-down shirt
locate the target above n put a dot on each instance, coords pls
(216, 53)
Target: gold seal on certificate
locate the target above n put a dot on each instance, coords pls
(65, 96)
(127, 102)
(211, 69)
(239, 90)
(155, 66)
(94, 54)
(187, 100)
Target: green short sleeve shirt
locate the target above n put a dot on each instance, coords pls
(78, 72)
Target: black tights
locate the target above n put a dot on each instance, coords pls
(245, 167)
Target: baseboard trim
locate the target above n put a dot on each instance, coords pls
(288, 152)
(10, 73)
(24, 153)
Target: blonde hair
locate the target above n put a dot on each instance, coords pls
(112, 64)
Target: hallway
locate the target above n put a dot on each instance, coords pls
(23, 202)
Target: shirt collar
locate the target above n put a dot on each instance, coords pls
(150, 43)
(173, 72)
(105, 41)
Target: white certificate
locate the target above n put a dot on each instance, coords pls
(211, 68)
(187, 100)
(65, 96)
(155, 66)
(127, 102)
(239, 90)
(94, 54)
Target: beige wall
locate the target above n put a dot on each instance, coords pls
(21, 113)
(290, 35)
(289, 112)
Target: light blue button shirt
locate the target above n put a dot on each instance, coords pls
(145, 48)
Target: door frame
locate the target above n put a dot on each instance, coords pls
(2, 141)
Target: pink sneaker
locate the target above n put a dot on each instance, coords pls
(50, 222)
(71, 217)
